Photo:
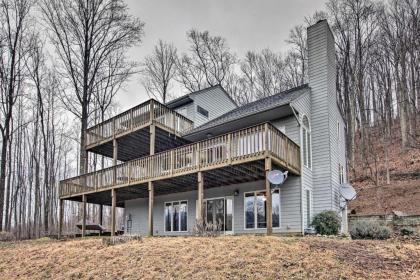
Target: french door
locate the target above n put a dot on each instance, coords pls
(220, 211)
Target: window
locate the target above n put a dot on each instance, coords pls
(308, 208)
(338, 131)
(340, 173)
(176, 215)
(255, 209)
(203, 111)
(306, 143)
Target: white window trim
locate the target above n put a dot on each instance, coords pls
(255, 216)
(338, 131)
(309, 207)
(224, 217)
(341, 177)
(172, 226)
(305, 129)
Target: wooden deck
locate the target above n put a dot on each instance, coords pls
(228, 151)
(135, 119)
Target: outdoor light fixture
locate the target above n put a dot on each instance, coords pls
(236, 193)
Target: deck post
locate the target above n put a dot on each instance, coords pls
(200, 199)
(152, 139)
(229, 140)
(61, 217)
(84, 215)
(114, 159)
(151, 200)
(101, 214)
(151, 111)
(172, 162)
(266, 141)
(269, 214)
(113, 211)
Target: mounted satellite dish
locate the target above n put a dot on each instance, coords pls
(347, 192)
(276, 177)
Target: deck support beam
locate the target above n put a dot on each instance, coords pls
(151, 201)
(113, 211)
(101, 214)
(200, 199)
(269, 215)
(84, 199)
(61, 217)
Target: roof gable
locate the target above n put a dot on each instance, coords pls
(258, 106)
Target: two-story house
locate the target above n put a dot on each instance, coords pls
(202, 158)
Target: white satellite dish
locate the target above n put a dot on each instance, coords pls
(276, 177)
(347, 192)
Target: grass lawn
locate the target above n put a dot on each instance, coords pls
(231, 257)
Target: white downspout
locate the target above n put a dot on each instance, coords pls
(302, 223)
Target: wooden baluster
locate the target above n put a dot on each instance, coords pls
(172, 162)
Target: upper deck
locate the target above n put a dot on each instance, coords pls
(132, 127)
(232, 157)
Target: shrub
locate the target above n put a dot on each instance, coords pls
(406, 231)
(202, 228)
(327, 223)
(114, 240)
(369, 230)
(6, 236)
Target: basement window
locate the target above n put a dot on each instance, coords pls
(202, 111)
(176, 216)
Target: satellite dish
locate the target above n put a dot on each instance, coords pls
(347, 192)
(276, 177)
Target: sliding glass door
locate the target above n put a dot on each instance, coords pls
(220, 211)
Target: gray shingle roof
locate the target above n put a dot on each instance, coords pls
(267, 103)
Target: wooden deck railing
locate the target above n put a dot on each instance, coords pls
(135, 118)
(237, 147)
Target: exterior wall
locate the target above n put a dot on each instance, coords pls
(324, 116)
(303, 107)
(214, 100)
(289, 202)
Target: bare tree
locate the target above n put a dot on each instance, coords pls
(210, 61)
(14, 15)
(263, 73)
(159, 70)
(85, 35)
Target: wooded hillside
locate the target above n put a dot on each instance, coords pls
(375, 195)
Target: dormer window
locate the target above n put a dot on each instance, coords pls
(202, 111)
(306, 142)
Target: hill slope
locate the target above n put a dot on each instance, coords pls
(225, 257)
(403, 192)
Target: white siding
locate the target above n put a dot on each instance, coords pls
(289, 216)
(303, 107)
(326, 151)
(215, 101)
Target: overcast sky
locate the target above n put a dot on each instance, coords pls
(246, 24)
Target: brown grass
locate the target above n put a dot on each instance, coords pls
(234, 257)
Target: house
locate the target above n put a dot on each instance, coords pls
(201, 157)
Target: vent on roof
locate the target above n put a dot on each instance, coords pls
(203, 111)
